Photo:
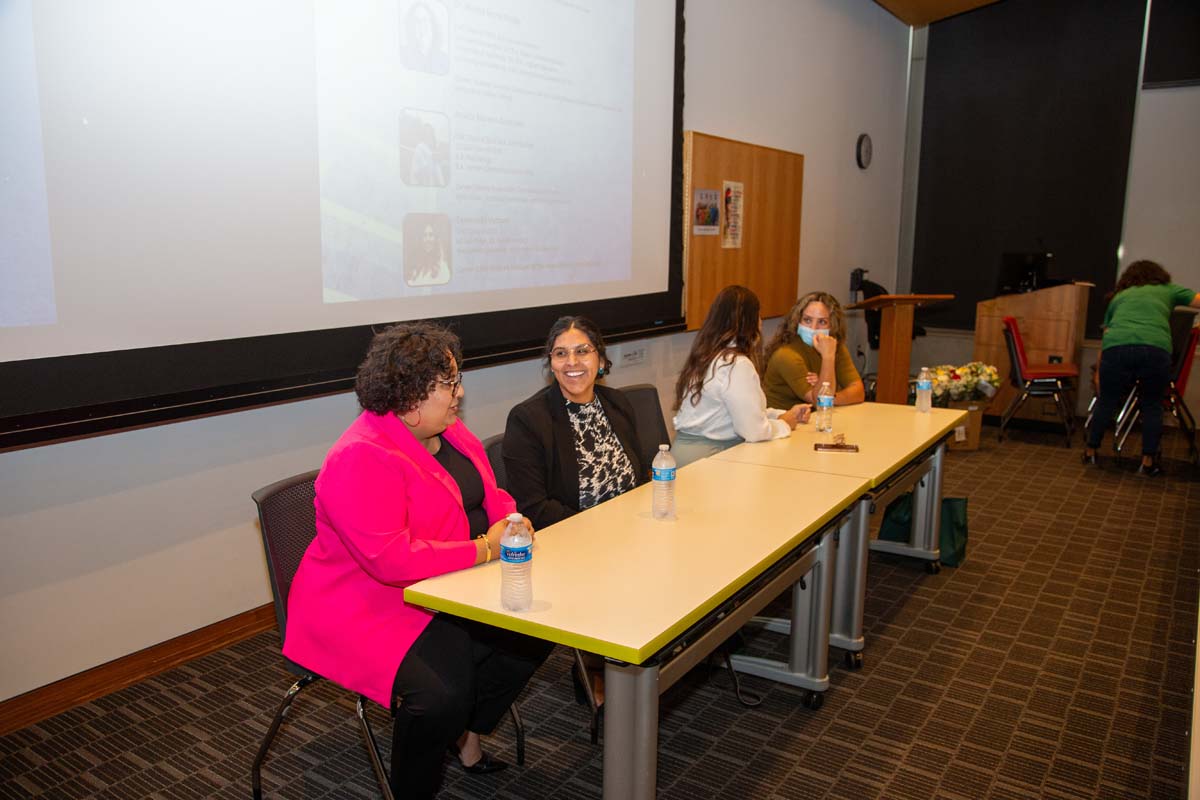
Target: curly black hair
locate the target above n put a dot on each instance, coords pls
(402, 364)
(1140, 273)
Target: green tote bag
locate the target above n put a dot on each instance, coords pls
(952, 540)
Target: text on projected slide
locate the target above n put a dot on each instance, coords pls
(472, 146)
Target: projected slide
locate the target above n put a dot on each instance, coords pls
(220, 170)
(26, 273)
(473, 146)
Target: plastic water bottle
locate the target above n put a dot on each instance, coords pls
(664, 483)
(924, 390)
(825, 408)
(516, 566)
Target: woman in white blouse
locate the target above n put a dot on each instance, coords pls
(718, 398)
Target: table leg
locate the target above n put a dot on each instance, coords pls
(927, 508)
(630, 731)
(923, 540)
(808, 628)
(850, 581)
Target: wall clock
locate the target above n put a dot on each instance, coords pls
(862, 150)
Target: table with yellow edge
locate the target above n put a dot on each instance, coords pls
(654, 598)
(898, 448)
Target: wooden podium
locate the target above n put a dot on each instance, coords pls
(895, 340)
(1051, 320)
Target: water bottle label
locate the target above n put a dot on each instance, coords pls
(516, 555)
(664, 473)
(923, 386)
(825, 401)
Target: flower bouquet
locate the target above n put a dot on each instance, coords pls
(967, 387)
(973, 381)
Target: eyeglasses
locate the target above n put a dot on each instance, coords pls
(562, 353)
(452, 383)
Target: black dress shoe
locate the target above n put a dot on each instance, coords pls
(1090, 459)
(1152, 471)
(486, 764)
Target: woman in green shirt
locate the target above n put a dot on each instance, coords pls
(810, 349)
(1137, 348)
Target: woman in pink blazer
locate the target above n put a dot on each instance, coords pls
(407, 493)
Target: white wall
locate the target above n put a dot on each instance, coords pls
(1162, 201)
(112, 544)
(809, 77)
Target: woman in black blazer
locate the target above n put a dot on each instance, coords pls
(573, 444)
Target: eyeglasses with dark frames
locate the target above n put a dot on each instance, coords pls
(451, 383)
(562, 353)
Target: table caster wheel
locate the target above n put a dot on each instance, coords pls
(933, 567)
(853, 660)
(814, 700)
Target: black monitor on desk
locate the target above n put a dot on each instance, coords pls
(1025, 272)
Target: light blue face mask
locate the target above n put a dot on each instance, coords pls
(806, 334)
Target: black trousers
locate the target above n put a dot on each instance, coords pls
(458, 676)
(1120, 368)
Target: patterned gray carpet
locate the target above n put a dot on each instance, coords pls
(1056, 662)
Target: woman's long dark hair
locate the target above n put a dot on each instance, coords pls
(1140, 273)
(730, 329)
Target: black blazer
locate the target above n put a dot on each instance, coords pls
(539, 452)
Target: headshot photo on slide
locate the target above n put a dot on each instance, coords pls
(424, 147)
(426, 249)
(425, 36)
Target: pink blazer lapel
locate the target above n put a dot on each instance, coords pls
(398, 433)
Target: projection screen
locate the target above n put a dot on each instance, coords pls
(211, 205)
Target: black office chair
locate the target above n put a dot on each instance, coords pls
(494, 447)
(648, 418)
(287, 518)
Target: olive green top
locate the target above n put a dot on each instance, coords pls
(784, 381)
(1142, 314)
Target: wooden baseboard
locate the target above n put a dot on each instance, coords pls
(55, 698)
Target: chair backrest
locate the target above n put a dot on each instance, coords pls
(494, 447)
(648, 418)
(1010, 327)
(1016, 375)
(1183, 365)
(288, 520)
(1181, 322)
(873, 317)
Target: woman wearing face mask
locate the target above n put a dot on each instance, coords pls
(810, 349)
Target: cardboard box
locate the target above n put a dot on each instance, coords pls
(966, 436)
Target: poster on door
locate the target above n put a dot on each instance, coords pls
(706, 212)
(732, 215)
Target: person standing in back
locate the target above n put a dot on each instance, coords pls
(1136, 348)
